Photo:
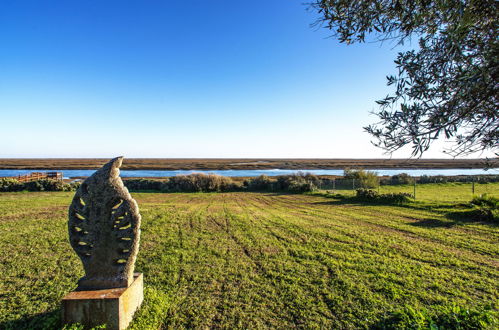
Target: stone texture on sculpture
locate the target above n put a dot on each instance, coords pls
(104, 229)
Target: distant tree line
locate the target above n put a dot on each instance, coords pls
(199, 182)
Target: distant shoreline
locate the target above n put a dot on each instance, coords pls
(244, 163)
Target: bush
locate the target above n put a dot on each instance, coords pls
(486, 208)
(47, 185)
(260, 183)
(298, 182)
(402, 178)
(374, 196)
(143, 184)
(199, 182)
(8, 184)
(459, 178)
(366, 179)
(447, 317)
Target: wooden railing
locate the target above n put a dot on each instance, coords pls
(38, 176)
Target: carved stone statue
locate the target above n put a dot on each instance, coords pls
(104, 229)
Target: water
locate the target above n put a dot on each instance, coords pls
(253, 173)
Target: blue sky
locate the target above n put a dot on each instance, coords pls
(193, 78)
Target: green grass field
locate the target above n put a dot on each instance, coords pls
(437, 192)
(260, 260)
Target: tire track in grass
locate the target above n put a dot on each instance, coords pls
(240, 215)
(290, 246)
(492, 270)
(230, 284)
(197, 295)
(331, 314)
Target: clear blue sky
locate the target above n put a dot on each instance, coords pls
(192, 78)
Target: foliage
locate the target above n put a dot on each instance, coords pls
(260, 183)
(366, 179)
(402, 178)
(448, 86)
(215, 183)
(374, 196)
(486, 208)
(299, 182)
(143, 184)
(8, 184)
(198, 182)
(445, 317)
(458, 178)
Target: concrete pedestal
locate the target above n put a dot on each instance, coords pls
(114, 307)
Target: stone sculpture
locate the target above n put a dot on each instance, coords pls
(104, 229)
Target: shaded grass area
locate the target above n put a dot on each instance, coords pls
(257, 260)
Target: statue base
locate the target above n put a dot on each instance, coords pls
(113, 307)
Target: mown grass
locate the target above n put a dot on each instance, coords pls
(436, 192)
(258, 260)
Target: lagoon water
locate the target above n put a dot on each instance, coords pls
(253, 173)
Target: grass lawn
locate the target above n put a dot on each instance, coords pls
(437, 192)
(259, 260)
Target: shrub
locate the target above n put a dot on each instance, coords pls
(47, 185)
(458, 178)
(402, 178)
(299, 182)
(143, 184)
(486, 208)
(366, 179)
(8, 184)
(374, 196)
(260, 183)
(199, 182)
(75, 185)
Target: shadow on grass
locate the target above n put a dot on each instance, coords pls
(353, 200)
(455, 214)
(433, 223)
(43, 321)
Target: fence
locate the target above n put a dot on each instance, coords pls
(38, 176)
(418, 187)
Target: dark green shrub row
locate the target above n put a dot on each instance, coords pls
(298, 183)
(184, 183)
(374, 196)
(486, 208)
(445, 317)
(215, 183)
(459, 178)
(8, 184)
